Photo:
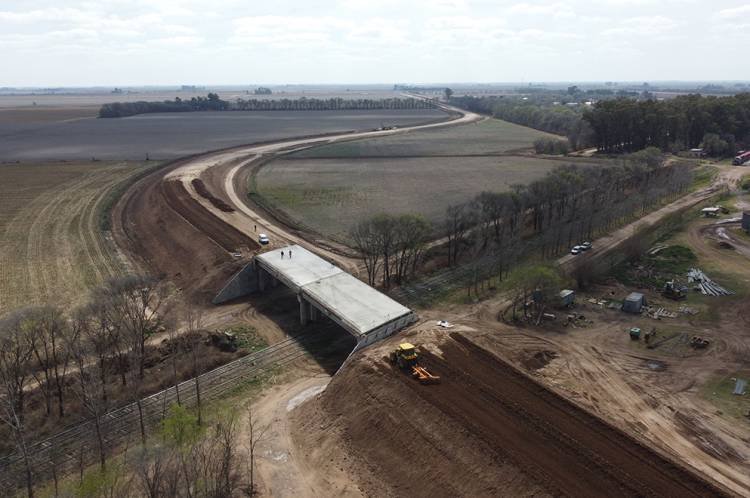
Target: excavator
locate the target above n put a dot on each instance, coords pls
(406, 357)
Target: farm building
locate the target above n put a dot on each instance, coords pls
(567, 298)
(634, 302)
(711, 212)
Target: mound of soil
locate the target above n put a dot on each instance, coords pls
(200, 187)
(486, 430)
(538, 360)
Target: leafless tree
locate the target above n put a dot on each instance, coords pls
(256, 434)
(193, 324)
(48, 335)
(16, 353)
(367, 244)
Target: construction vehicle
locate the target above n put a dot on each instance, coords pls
(698, 342)
(406, 357)
(672, 291)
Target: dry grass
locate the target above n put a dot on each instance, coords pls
(332, 195)
(487, 137)
(52, 248)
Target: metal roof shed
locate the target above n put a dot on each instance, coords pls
(634, 302)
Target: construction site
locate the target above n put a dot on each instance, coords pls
(632, 385)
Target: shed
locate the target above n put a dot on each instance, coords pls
(711, 211)
(746, 221)
(567, 298)
(634, 302)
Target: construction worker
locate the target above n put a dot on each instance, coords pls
(282, 254)
(290, 254)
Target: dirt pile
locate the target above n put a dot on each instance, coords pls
(200, 187)
(161, 225)
(485, 430)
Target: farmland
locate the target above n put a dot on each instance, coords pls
(332, 195)
(166, 136)
(52, 248)
(328, 189)
(486, 137)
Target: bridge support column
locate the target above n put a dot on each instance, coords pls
(262, 279)
(304, 310)
(314, 313)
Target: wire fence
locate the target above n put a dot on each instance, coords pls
(77, 446)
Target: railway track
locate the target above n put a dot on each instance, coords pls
(68, 450)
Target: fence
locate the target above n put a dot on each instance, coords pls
(78, 445)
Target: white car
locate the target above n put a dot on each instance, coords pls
(586, 246)
(576, 250)
(263, 239)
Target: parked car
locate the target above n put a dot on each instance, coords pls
(263, 239)
(586, 246)
(576, 250)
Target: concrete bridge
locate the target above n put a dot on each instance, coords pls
(322, 289)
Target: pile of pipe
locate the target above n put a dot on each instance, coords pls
(705, 285)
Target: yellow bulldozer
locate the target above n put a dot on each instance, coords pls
(406, 357)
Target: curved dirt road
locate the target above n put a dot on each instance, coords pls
(251, 221)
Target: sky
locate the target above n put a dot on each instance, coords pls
(167, 42)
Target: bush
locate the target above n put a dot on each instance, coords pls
(551, 146)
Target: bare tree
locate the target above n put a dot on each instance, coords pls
(458, 220)
(49, 331)
(193, 324)
(256, 434)
(367, 243)
(16, 353)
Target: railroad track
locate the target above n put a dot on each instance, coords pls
(67, 450)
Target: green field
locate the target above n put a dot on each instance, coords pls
(52, 247)
(487, 137)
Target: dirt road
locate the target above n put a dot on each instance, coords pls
(728, 177)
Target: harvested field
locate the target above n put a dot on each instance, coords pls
(487, 137)
(172, 135)
(332, 195)
(486, 430)
(52, 248)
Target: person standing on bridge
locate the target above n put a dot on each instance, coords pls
(290, 254)
(282, 254)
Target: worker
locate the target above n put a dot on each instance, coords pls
(290, 254)
(282, 254)
(255, 228)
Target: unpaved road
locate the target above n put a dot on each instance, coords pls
(728, 176)
(249, 220)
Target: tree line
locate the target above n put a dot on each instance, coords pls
(540, 115)
(213, 103)
(720, 124)
(493, 231)
(78, 363)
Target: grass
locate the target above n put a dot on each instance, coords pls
(52, 246)
(331, 195)
(247, 338)
(703, 176)
(718, 391)
(487, 137)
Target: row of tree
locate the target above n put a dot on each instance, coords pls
(492, 231)
(688, 121)
(391, 246)
(541, 115)
(213, 103)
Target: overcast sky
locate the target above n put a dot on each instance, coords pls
(162, 42)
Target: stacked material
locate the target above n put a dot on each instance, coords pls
(706, 286)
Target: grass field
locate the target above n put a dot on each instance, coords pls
(487, 137)
(332, 195)
(52, 248)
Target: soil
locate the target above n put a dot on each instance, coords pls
(486, 429)
(161, 226)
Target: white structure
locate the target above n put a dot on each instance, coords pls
(322, 287)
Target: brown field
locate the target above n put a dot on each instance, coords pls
(332, 195)
(52, 248)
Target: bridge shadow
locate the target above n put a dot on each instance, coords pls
(326, 342)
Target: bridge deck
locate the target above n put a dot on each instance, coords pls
(357, 306)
